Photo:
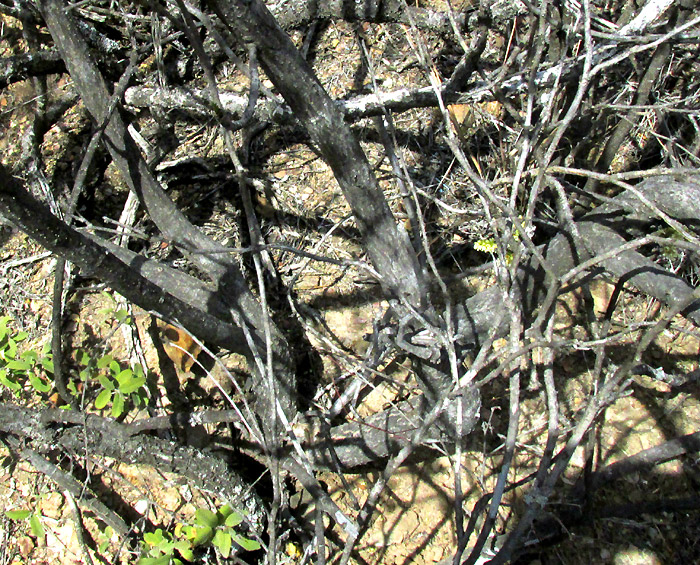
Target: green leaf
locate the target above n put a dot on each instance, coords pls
(17, 514)
(163, 560)
(20, 336)
(105, 382)
(3, 326)
(103, 362)
(204, 517)
(108, 296)
(165, 547)
(222, 540)
(202, 535)
(153, 538)
(133, 385)
(122, 316)
(245, 543)
(224, 512)
(30, 356)
(138, 370)
(124, 377)
(39, 384)
(36, 526)
(103, 399)
(47, 364)
(117, 405)
(82, 358)
(185, 549)
(9, 382)
(19, 365)
(115, 367)
(233, 519)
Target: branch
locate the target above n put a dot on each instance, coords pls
(301, 13)
(75, 488)
(383, 434)
(648, 201)
(387, 245)
(146, 283)
(193, 101)
(646, 459)
(20, 67)
(573, 514)
(96, 436)
(223, 269)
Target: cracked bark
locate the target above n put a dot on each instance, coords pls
(46, 429)
(387, 245)
(217, 264)
(147, 283)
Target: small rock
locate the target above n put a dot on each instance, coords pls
(25, 544)
(52, 505)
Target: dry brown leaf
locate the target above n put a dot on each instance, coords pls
(179, 346)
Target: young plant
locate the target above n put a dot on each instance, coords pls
(19, 369)
(35, 525)
(209, 528)
(104, 539)
(163, 549)
(120, 385)
(217, 528)
(121, 315)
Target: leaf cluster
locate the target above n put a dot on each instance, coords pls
(208, 529)
(21, 368)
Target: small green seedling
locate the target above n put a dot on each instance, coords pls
(121, 315)
(34, 518)
(120, 385)
(209, 528)
(19, 369)
(217, 528)
(163, 549)
(104, 539)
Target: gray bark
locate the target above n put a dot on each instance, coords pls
(220, 267)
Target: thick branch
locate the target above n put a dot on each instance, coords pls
(301, 13)
(20, 67)
(193, 101)
(222, 268)
(387, 244)
(141, 281)
(95, 436)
